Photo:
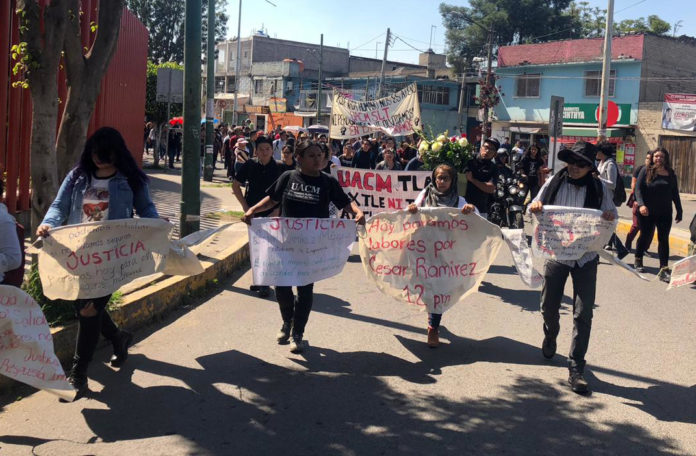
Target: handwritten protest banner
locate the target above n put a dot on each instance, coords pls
(94, 259)
(379, 191)
(565, 233)
(26, 344)
(522, 257)
(432, 258)
(298, 251)
(683, 272)
(397, 114)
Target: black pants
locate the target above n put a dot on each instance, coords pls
(434, 320)
(584, 289)
(647, 231)
(295, 310)
(88, 331)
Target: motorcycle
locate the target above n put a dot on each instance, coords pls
(507, 209)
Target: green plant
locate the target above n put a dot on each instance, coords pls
(455, 151)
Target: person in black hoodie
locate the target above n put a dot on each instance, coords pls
(656, 190)
(573, 186)
(365, 157)
(481, 174)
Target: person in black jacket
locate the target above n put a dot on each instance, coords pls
(656, 190)
(365, 157)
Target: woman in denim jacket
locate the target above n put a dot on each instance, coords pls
(105, 185)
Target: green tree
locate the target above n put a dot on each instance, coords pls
(653, 24)
(164, 19)
(590, 20)
(156, 111)
(513, 21)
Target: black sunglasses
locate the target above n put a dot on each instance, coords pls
(578, 163)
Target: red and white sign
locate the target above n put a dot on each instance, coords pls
(613, 113)
(679, 112)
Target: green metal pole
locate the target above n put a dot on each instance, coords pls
(210, 92)
(190, 175)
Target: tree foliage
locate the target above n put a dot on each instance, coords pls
(164, 19)
(527, 21)
(156, 111)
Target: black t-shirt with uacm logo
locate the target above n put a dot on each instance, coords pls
(301, 195)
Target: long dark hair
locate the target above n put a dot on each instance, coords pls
(528, 153)
(109, 147)
(652, 169)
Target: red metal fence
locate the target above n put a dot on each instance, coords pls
(121, 103)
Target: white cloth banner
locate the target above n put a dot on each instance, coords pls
(683, 272)
(381, 191)
(26, 344)
(567, 233)
(522, 257)
(95, 259)
(397, 114)
(432, 258)
(298, 251)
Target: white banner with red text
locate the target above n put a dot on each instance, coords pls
(683, 272)
(298, 251)
(26, 344)
(396, 115)
(381, 191)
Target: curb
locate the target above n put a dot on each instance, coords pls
(148, 304)
(677, 245)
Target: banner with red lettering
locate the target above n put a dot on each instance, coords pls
(26, 344)
(91, 260)
(683, 272)
(396, 115)
(298, 251)
(379, 191)
(433, 258)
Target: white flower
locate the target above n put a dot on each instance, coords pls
(437, 146)
(442, 139)
(463, 142)
(424, 145)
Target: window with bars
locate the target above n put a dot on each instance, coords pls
(528, 85)
(593, 83)
(258, 86)
(433, 95)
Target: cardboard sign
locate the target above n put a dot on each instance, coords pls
(26, 344)
(379, 191)
(433, 258)
(565, 233)
(298, 251)
(683, 272)
(396, 115)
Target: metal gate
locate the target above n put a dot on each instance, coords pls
(682, 153)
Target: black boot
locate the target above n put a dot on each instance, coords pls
(121, 343)
(638, 265)
(78, 378)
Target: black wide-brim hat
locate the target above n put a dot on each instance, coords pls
(581, 151)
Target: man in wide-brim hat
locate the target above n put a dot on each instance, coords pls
(573, 186)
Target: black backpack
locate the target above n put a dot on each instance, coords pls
(620, 190)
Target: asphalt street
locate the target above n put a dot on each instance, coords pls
(211, 380)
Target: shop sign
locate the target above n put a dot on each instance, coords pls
(588, 113)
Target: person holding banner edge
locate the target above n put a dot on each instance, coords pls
(573, 186)
(106, 184)
(303, 192)
(440, 192)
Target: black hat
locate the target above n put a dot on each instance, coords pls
(493, 142)
(581, 151)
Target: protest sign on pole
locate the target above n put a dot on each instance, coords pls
(432, 258)
(567, 233)
(683, 272)
(94, 259)
(379, 191)
(396, 115)
(26, 344)
(298, 251)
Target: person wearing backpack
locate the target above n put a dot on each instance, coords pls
(106, 184)
(11, 252)
(608, 172)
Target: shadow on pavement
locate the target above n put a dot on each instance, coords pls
(238, 404)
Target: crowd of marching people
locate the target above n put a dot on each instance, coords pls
(279, 173)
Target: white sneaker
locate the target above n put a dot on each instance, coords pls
(296, 346)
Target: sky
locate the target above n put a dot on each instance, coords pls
(361, 25)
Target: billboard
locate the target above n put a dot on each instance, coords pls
(679, 112)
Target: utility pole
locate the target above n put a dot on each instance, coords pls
(486, 114)
(461, 104)
(321, 63)
(190, 175)
(210, 95)
(384, 64)
(606, 72)
(237, 63)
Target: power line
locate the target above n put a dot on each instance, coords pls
(368, 42)
(630, 6)
(408, 44)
